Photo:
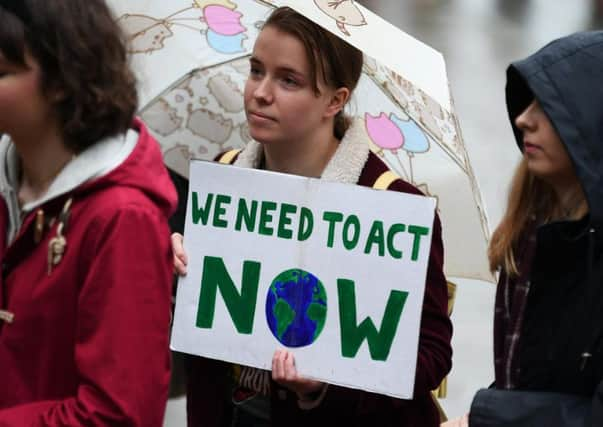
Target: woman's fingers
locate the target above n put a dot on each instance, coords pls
(278, 366)
(457, 422)
(290, 371)
(285, 373)
(180, 258)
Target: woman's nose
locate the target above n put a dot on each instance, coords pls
(263, 90)
(525, 118)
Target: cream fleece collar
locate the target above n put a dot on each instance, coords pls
(345, 166)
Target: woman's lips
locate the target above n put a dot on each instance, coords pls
(530, 148)
(260, 116)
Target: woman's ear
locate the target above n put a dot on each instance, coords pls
(339, 98)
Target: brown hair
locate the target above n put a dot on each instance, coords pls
(331, 59)
(530, 199)
(83, 62)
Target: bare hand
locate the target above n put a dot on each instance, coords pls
(180, 258)
(457, 422)
(285, 373)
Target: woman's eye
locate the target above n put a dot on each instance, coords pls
(288, 81)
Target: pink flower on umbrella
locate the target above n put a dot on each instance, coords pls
(223, 21)
(383, 132)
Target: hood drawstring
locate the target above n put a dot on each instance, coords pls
(590, 299)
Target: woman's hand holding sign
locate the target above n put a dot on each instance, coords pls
(284, 372)
(180, 258)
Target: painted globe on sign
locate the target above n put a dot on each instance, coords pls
(296, 308)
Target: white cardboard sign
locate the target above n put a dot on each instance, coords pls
(333, 272)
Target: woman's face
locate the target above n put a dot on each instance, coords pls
(280, 102)
(545, 153)
(23, 106)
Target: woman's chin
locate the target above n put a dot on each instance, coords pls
(262, 137)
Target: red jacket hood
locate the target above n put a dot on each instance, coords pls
(144, 170)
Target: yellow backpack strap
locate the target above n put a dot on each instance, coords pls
(229, 156)
(442, 391)
(385, 180)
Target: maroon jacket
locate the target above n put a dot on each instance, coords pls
(342, 406)
(88, 345)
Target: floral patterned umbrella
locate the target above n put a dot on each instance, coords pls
(193, 61)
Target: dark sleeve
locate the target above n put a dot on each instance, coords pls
(498, 408)
(177, 219)
(435, 352)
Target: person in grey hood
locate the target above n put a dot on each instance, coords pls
(548, 323)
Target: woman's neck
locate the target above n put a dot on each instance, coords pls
(572, 201)
(305, 158)
(42, 158)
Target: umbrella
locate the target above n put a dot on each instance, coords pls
(193, 61)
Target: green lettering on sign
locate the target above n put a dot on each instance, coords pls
(246, 215)
(353, 335)
(418, 233)
(266, 218)
(220, 211)
(306, 224)
(376, 237)
(201, 213)
(284, 221)
(241, 307)
(332, 218)
(391, 235)
(354, 223)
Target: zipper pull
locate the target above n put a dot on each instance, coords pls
(586, 356)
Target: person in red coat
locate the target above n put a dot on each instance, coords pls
(86, 258)
(301, 78)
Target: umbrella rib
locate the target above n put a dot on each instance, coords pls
(265, 3)
(178, 13)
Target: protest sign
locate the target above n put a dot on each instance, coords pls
(333, 272)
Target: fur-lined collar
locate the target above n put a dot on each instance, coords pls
(345, 166)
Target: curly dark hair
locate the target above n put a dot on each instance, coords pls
(82, 56)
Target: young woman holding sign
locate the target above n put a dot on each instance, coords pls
(84, 207)
(301, 78)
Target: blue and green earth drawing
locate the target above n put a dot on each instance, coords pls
(296, 308)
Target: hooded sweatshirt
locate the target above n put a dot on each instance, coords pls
(553, 360)
(85, 289)
(562, 338)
